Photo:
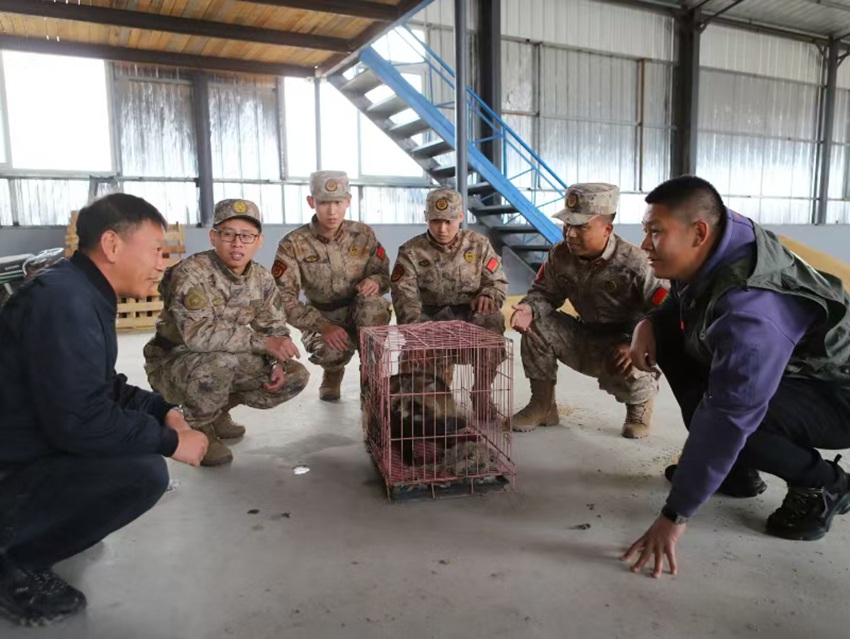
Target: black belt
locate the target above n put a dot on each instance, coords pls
(332, 306)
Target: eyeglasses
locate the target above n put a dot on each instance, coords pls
(228, 235)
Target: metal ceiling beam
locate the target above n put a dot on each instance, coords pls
(171, 24)
(353, 8)
(146, 56)
(406, 10)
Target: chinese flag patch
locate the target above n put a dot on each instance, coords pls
(398, 273)
(492, 264)
(381, 252)
(659, 295)
(540, 273)
(278, 269)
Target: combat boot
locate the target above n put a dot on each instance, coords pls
(217, 454)
(541, 410)
(638, 419)
(226, 428)
(331, 379)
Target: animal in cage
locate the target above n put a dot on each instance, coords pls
(422, 408)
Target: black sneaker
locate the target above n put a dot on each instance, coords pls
(806, 513)
(36, 597)
(740, 483)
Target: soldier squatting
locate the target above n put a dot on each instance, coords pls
(754, 343)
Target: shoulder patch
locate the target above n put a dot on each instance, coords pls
(492, 264)
(278, 269)
(659, 295)
(381, 253)
(398, 273)
(540, 273)
(195, 300)
(469, 256)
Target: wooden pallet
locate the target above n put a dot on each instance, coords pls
(138, 314)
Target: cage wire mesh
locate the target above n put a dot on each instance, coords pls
(437, 405)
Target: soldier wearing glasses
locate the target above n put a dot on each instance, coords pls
(222, 338)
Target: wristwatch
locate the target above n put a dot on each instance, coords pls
(671, 515)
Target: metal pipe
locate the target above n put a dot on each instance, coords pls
(317, 103)
(461, 103)
(828, 123)
(201, 114)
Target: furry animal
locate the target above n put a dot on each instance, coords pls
(422, 410)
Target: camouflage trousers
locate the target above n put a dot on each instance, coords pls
(567, 339)
(208, 384)
(363, 312)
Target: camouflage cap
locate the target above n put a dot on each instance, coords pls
(228, 209)
(443, 204)
(329, 185)
(584, 201)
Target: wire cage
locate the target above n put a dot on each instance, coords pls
(437, 406)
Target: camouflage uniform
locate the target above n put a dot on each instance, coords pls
(209, 352)
(328, 271)
(432, 281)
(611, 294)
(438, 282)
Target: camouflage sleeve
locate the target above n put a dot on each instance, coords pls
(494, 283)
(271, 319)
(653, 290)
(378, 266)
(546, 293)
(288, 277)
(203, 332)
(407, 303)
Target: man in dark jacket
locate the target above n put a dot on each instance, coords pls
(82, 452)
(756, 347)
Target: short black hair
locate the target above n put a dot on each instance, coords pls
(691, 196)
(116, 212)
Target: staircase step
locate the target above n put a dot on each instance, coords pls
(432, 149)
(481, 188)
(527, 248)
(409, 129)
(362, 83)
(495, 209)
(389, 107)
(443, 172)
(514, 228)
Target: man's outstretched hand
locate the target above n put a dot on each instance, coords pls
(658, 542)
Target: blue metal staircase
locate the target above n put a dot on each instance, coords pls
(507, 199)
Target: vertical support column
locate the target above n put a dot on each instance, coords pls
(490, 70)
(203, 147)
(832, 62)
(317, 101)
(461, 102)
(683, 158)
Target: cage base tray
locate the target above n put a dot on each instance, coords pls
(456, 488)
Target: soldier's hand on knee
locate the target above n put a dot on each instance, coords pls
(642, 351)
(335, 336)
(522, 317)
(276, 380)
(484, 305)
(368, 288)
(622, 360)
(191, 447)
(281, 348)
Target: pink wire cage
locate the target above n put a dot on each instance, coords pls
(437, 402)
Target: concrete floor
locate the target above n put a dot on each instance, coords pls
(328, 556)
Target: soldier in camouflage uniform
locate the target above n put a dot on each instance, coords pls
(343, 271)
(611, 286)
(221, 339)
(449, 273)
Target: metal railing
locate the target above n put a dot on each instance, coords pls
(518, 163)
